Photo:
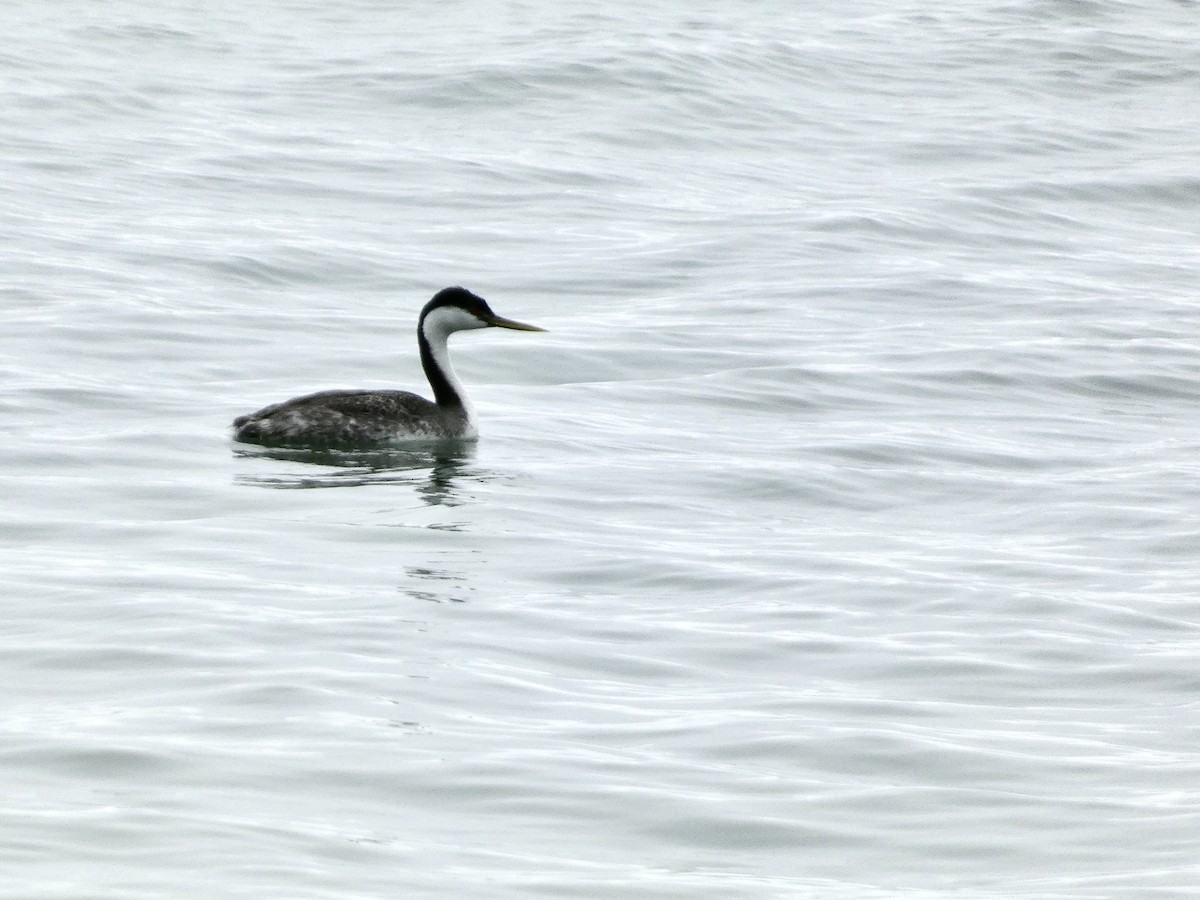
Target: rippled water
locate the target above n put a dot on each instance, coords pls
(840, 538)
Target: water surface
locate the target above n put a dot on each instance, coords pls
(838, 540)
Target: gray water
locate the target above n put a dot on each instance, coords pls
(840, 539)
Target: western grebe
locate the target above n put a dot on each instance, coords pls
(375, 418)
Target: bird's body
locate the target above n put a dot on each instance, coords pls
(370, 418)
(352, 418)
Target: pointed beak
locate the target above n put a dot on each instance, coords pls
(501, 322)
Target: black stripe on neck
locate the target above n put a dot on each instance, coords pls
(443, 392)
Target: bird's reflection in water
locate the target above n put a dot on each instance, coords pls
(440, 464)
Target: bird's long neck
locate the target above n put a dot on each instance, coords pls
(435, 360)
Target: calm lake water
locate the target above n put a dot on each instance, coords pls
(840, 539)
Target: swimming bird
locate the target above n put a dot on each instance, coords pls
(351, 419)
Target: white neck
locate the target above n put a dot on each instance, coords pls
(435, 331)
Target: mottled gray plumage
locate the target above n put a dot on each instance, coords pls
(357, 419)
(349, 419)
